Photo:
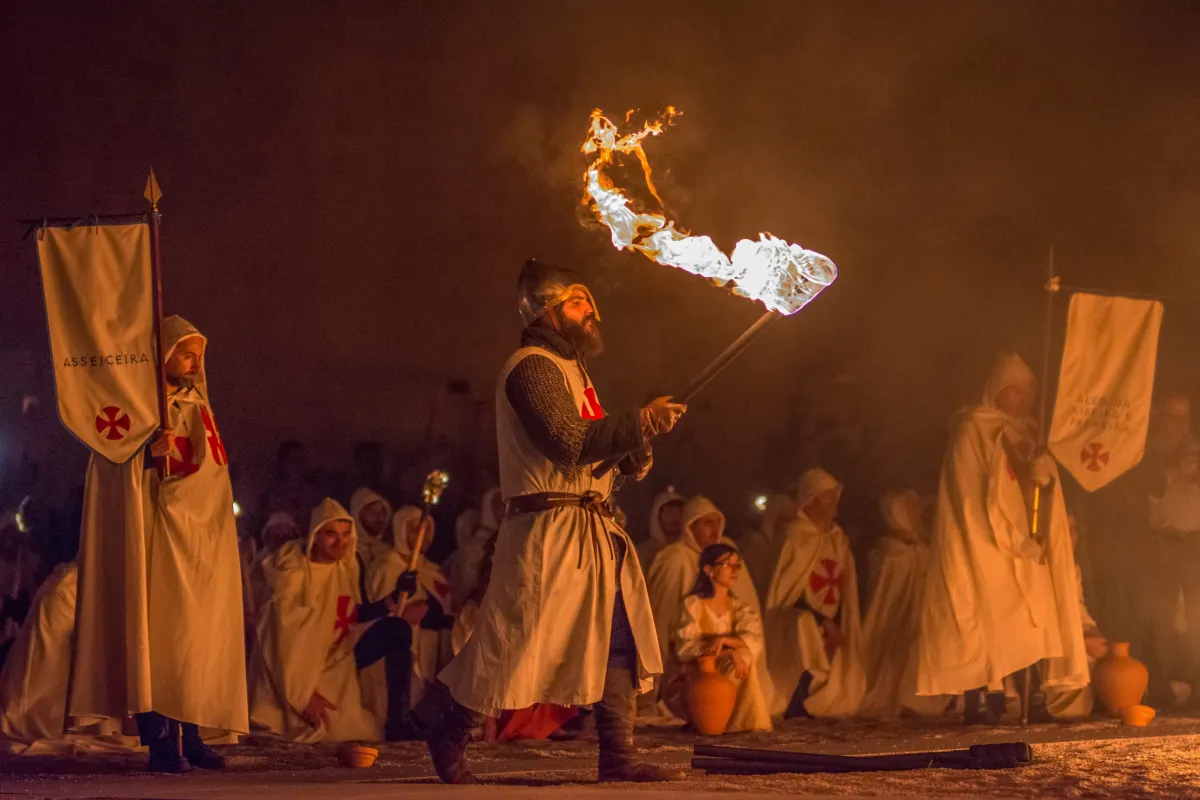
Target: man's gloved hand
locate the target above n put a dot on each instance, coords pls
(660, 416)
(406, 584)
(1041, 470)
(638, 464)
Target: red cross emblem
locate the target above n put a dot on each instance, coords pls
(827, 578)
(591, 405)
(182, 466)
(1094, 457)
(215, 445)
(347, 615)
(112, 423)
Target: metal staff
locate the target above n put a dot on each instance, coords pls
(431, 493)
(1052, 286)
(709, 372)
(152, 194)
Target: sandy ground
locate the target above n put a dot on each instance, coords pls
(1092, 759)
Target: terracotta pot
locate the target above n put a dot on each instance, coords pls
(1119, 680)
(357, 756)
(709, 696)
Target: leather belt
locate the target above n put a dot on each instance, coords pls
(594, 503)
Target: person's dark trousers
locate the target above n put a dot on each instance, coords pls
(390, 638)
(796, 704)
(1177, 575)
(175, 746)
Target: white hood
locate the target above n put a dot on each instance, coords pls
(657, 534)
(331, 510)
(1009, 370)
(814, 482)
(175, 329)
(894, 506)
(693, 510)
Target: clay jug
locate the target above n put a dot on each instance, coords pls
(1119, 679)
(709, 697)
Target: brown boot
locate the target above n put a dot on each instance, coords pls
(449, 727)
(614, 724)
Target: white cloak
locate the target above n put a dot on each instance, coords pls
(995, 601)
(472, 534)
(890, 629)
(672, 577)
(818, 566)
(160, 619)
(305, 642)
(543, 630)
(33, 683)
(760, 547)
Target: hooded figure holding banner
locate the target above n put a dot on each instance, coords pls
(159, 630)
(997, 599)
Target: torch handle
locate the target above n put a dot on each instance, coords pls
(706, 375)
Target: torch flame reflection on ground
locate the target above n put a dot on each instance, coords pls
(784, 277)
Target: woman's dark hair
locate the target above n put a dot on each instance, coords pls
(709, 556)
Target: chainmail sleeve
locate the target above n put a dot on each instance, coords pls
(537, 391)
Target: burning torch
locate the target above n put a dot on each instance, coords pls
(783, 277)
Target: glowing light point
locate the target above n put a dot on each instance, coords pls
(760, 502)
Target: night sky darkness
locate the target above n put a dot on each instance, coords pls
(349, 190)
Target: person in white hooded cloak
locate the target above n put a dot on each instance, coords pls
(892, 622)
(33, 682)
(812, 617)
(160, 620)
(760, 547)
(997, 599)
(313, 639)
(666, 523)
(566, 619)
(475, 534)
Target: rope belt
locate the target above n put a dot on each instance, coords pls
(595, 504)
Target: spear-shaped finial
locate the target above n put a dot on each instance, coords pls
(152, 193)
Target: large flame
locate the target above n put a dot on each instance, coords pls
(784, 277)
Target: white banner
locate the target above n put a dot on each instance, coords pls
(1102, 410)
(100, 312)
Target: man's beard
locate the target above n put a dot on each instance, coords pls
(586, 340)
(181, 381)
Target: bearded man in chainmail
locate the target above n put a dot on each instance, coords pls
(566, 619)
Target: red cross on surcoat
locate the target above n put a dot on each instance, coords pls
(591, 408)
(828, 578)
(215, 445)
(347, 615)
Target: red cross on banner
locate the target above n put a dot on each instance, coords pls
(347, 615)
(215, 445)
(112, 423)
(1094, 456)
(591, 408)
(827, 577)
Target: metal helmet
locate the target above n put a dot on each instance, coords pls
(542, 287)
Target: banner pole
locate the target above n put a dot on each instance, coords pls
(153, 194)
(1052, 286)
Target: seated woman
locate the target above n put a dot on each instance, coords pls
(714, 622)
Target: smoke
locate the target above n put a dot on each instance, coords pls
(350, 192)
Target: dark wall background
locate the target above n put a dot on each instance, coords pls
(349, 190)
